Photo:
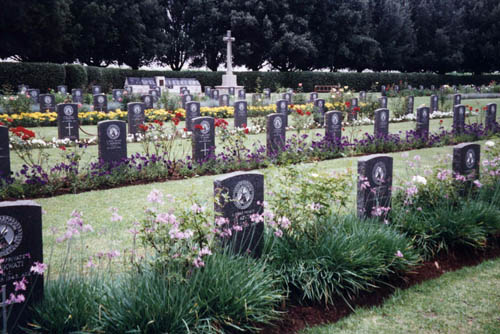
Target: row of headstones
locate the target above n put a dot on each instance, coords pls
(396, 88)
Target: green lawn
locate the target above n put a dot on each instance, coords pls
(465, 301)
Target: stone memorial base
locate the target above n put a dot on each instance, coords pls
(225, 89)
(228, 81)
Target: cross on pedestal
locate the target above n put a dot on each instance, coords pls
(69, 127)
(205, 149)
(229, 56)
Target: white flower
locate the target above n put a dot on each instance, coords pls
(419, 179)
(490, 143)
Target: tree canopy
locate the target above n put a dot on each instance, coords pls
(287, 35)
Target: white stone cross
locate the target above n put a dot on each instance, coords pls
(69, 127)
(205, 149)
(229, 56)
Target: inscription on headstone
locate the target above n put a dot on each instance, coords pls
(374, 185)
(185, 99)
(287, 97)
(491, 116)
(67, 121)
(239, 196)
(457, 99)
(62, 89)
(224, 100)
(231, 91)
(383, 102)
(362, 96)
(458, 118)
(96, 90)
(203, 139)
(276, 133)
(135, 116)
(77, 95)
(4, 152)
(21, 249)
(383, 92)
(410, 105)
(148, 101)
(466, 158)
(267, 93)
(112, 137)
(215, 94)
(333, 125)
(312, 97)
(423, 122)
(100, 103)
(381, 122)
(47, 102)
(192, 112)
(242, 95)
(282, 108)
(240, 114)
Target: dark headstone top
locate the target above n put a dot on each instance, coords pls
(77, 95)
(34, 95)
(67, 121)
(491, 116)
(47, 102)
(21, 89)
(362, 96)
(333, 124)
(155, 93)
(62, 89)
(96, 90)
(238, 196)
(4, 152)
(267, 93)
(423, 122)
(374, 184)
(313, 96)
(410, 104)
(203, 138)
(135, 116)
(383, 92)
(118, 95)
(466, 158)
(20, 248)
(185, 99)
(224, 100)
(276, 133)
(287, 97)
(240, 114)
(231, 91)
(381, 122)
(207, 91)
(192, 111)
(320, 105)
(396, 88)
(148, 101)
(383, 102)
(457, 99)
(112, 140)
(242, 95)
(282, 108)
(215, 94)
(434, 103)
(100, 103)
(256, 98)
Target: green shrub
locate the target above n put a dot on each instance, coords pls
(348, 257)
(36, 75)
(76, 76)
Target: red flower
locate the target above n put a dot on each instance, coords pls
(291, 106)
(440, 121)
(10, 120)
(23, 133)
(246, 131)
(198, 126)
(347, 104)
(143, 127)
(175, 120)
(219, 122)
(356, 109)
(470, 108)
(308, 113)
(343, 129)
(160, 123)
(244, 125)
(1, 123)
(185, 130)
(178, 115)
(477, 110)
(300, 112)
(300, 84)
(62, 147)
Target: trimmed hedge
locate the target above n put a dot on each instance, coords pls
(45, 76)
(36, 75)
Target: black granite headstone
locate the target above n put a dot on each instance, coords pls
(192, 112)
(215, 94)
(433, 87)
(319, 106)
(21, 249)
(396, 88)
(457, 99)
(458, 118)
(423, 122)
(333, 125)
(224, 100)
(287, 97)
(466, 158)
(96, 90)
(282, 108)
(410, 104)
(383, 92)
(62, 89)
(112, 136)
(47, 102)
(362, 96)
(135, 116)
(240, 114)
(100, 103)
(275, 133)
(34, 95)
(155, 94)
(207, 91)
(374, 185)
(203, 138)
(148, 101)
(421, 87)
(238, 196)
(117, 95)
(67, 121)
(185, 99)
(383, 102)
(491, 116)
(434, 103)
(4, 152)
(230, 91)
(381, 127)
(312, 97)
(267, 93)
(256, 99)
(77, 95)
(21, 89)
(242, 94)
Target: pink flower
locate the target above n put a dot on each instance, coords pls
(196, 208)
(115, 217)
(198, 262)
(443, 175)
(38, 268)
(219, 221)
(112, 254)
(478, 184)
(20, 285)
(278, 233)
(459, 177)
(205, 251)
(399, 254)
(284, 222)
(87, 228)
(166, 218)
(90, 264)
(13, 299)
(237, 228)
(155, 196)
(256, 218)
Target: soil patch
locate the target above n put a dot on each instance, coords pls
(298, 317)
